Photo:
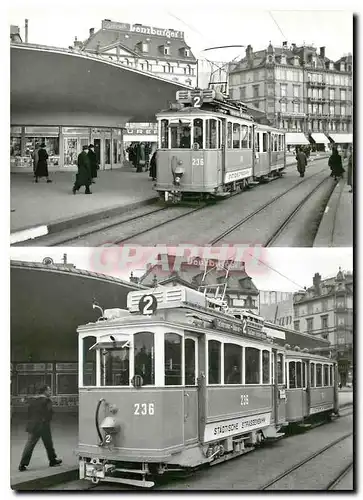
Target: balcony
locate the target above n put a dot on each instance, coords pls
(317, 99)
(316, 84)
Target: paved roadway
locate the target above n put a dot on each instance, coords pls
(254, 470)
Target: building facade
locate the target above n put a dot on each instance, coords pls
(326, 310)
(299, 89)
(277, 307)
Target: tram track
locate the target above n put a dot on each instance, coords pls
(335, 482)
(240, 223)
(303, 462)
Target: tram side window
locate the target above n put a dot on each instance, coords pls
(282, 142)
(252, 365)
(173, 359)
(304, 366)
(198, 133)
(265, 367)
(244, 136)
(164, 139)
(326, 376)
(312, 374)
(292, 375)
(221, 140)
(298, 374)
(89, 361)
(211, 134)
(232, 364)
(280, 369)
(236, 135)
(214, 362)
(318, 375)
(229, 135)
(115, 365)
(189, 361)
(331, 376)
(144, 357)
(250, 131)
(265, 142)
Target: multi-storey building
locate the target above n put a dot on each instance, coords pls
(163, 52)
(299, 89)
(326, 310)
(277, 307)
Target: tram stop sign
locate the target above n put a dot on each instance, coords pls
(148, 304)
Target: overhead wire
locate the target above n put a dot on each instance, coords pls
(277, 24)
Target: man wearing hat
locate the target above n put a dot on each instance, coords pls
(93, 162)
(41, 169)
(83, 177)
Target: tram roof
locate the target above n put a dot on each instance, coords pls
(200, 111)
(55, 86)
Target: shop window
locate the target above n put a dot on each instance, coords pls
(67, 383)
(236, 135)
(15, 146)
(280, 369)
(89, 361)
(173, 359)
(30, 383)
(164, 134)
(298, 375)
(252, 365)
(326, 376)
(265, 367)
(312, 374)
(211, 134)
(214, 362)
(198, 133)
(319, 375)
(189, 361)
(229, 135)
(144, 357)
(232, 364)
(244, 136)
(292, 375)
(115, 367)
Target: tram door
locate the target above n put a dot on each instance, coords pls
(279, 391)
(191, 392)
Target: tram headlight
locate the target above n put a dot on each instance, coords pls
(110, 425)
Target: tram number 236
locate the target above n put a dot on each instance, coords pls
(244, 399)
(144, 409)
(196, 162)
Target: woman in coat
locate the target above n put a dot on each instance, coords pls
(84, 176)
(335, 164)
(152, 170)
(41, 169)
(301, 161)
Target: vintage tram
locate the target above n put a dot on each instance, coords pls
(209, 147)
(180, 382)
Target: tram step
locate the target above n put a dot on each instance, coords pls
(131, 482)
(132, 471)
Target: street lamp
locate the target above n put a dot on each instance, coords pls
(220, 68)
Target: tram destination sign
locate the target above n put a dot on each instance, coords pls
(232, 327)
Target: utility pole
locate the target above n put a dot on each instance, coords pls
(26, 30)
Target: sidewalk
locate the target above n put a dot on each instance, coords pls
(55, 207)
(65, 437)
(336, 226)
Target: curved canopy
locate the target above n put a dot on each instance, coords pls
(53, 86)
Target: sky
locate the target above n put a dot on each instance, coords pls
(205, 23)
(286, 269)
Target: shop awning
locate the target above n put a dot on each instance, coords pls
(320, 138)
(296, 138)
(342, 138)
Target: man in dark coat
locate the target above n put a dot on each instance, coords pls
(40, 414)
(41, 169)
(93, 161)
(335, 164)
(84, 176)
(301, 161)
(140, 157)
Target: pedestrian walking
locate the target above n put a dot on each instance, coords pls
(301, 161)
(35, 157)
(93, 162)
(350, 171)
(84, 176)
(140, 157)
(41, 169)
(335, 164)
(40, 414)
(152, 170)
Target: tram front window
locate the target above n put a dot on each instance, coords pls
(180, 135)
(115, 366)
(144, 361)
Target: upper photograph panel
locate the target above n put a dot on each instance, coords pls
(128, 131)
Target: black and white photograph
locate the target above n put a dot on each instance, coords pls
(181, 259)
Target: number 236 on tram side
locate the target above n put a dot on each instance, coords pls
(209, 147)
(171, 384)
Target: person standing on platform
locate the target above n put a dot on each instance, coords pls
(84, 176)
(153, 155)
(93, 161)
(301, 161)
(335, 164)
(35, 158)
(40, 414)
(140, 157)
(42, 165)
